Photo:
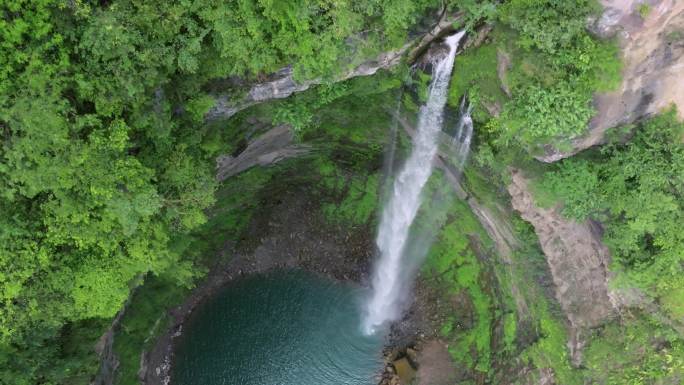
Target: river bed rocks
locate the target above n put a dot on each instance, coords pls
(400, 371)
(428, 362)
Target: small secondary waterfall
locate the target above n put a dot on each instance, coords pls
(463, 136)
(400, 211)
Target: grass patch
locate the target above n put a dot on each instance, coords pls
(673, 302)
(644, 10)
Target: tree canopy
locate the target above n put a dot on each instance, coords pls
(556, 67)
(105, 159)
(637, 189)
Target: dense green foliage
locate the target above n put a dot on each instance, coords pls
(636, 190)
(543, 55)
(106, 169)
(557, 66)
(106, 163)
(641, 350)
(633, 186)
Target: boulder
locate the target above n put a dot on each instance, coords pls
(405, 371)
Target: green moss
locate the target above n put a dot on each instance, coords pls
(480, 185)
(475, 74)
(674, 36)
(551, 349)
(236, 202)
(447, 327)
(422, 85)
(456, 269)
(358, 204)
(144, 319)
(510, 330)
(644, 10)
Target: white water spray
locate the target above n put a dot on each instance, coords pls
(463, 136)
(399, 213)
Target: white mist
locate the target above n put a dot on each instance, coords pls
(384, 304)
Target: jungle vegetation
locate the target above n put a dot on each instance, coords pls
(106, 161)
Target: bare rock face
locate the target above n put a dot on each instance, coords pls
(434, 54)
(503, 64)
(652, 49)
(577, 260)
(435, 365)
(283, 84)
(271, 147)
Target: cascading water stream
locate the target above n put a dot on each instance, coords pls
(400, 211)
(463, 136)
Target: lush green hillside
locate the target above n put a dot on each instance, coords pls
(106, 161)
(107, 169)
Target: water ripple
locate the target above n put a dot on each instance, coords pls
(286, 329)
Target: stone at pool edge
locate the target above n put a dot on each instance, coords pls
(404, 370)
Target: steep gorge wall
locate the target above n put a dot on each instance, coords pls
(283, 83)
(651, 39)
(577, 259)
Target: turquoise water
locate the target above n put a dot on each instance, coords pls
(285, 328)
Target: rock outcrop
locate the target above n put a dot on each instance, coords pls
(577, 259)
(109, 361)
(435, 365)
(269, 148)
(499, 231)
(652, 51)
(283, 84)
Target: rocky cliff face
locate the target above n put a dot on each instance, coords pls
(577, 260)
(271, 147)
(283, 84)
(651, 38)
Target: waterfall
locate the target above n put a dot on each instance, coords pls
(463, 136)
(404, 201)
(388, 166)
